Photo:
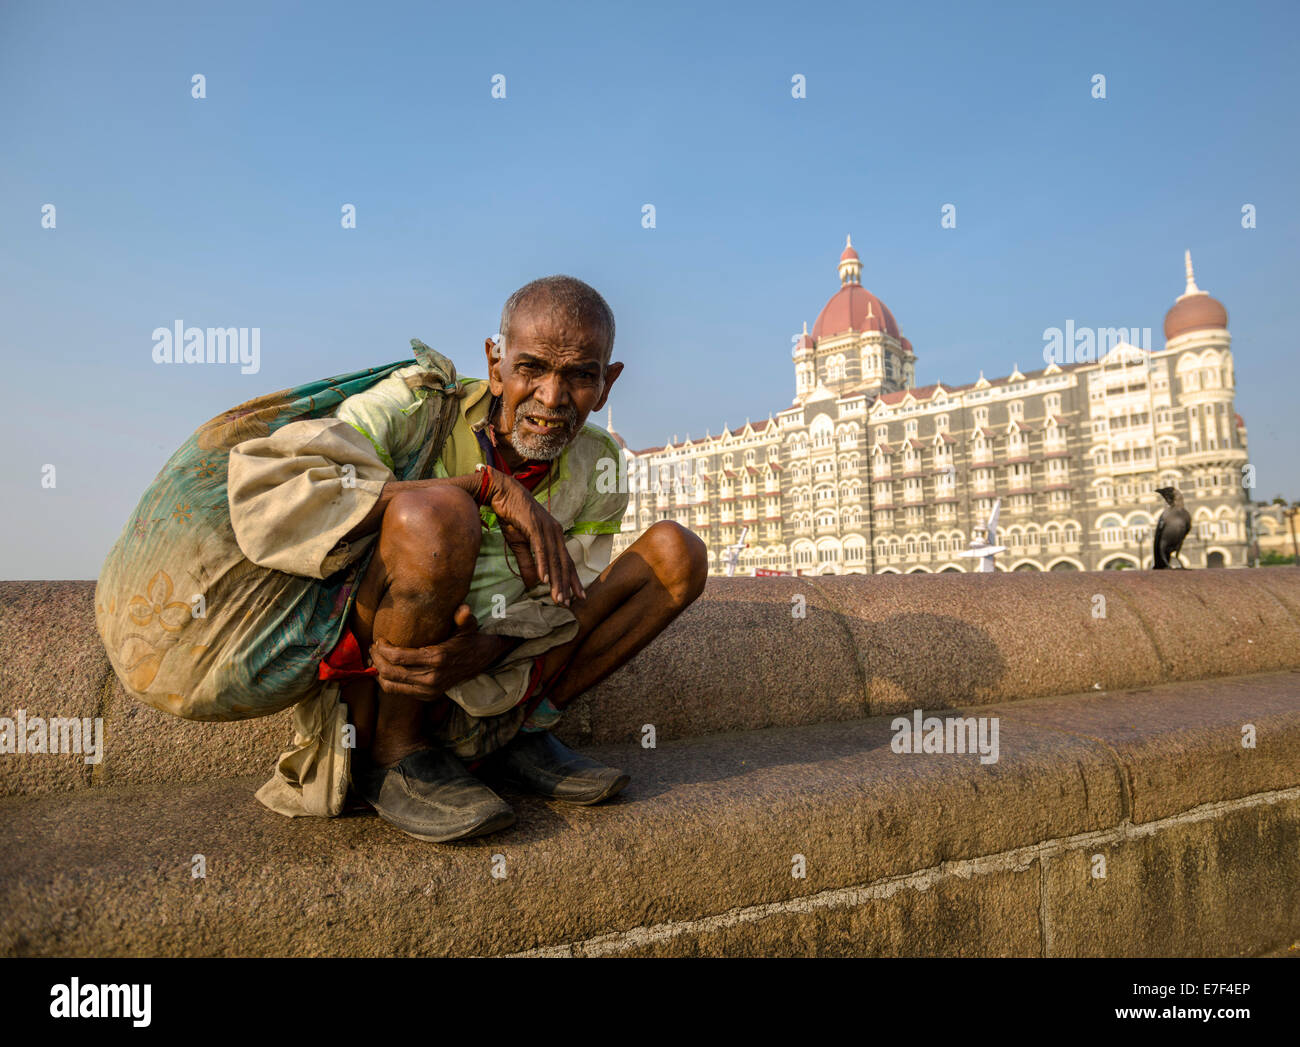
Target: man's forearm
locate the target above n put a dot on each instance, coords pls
(469, 483)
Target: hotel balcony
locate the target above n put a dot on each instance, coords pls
(1055, 548)
(1211, 454)
(1145, 465)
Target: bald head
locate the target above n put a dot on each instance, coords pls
(567, 301)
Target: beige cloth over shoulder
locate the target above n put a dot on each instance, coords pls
(295, 493)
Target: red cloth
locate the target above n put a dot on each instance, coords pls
(534, 677)
(530, 472)
(345, 661)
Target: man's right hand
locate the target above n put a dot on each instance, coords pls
(536, 538)
(427, 672)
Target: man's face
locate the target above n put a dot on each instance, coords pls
(550, 378)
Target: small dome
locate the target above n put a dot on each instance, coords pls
(1198, 312)
(1195, 310)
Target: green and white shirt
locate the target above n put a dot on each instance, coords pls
(585, 490)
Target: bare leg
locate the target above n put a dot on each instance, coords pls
(420, 573)
(631, 603)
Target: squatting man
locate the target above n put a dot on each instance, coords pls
(549, 370)
(488, 601)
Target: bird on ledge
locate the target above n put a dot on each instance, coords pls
(1171, 529)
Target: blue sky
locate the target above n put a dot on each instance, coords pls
(225, 211)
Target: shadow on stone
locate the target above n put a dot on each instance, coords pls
(921, 659)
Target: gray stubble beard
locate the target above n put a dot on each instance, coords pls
(542, 448)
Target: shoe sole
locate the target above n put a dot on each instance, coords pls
(502, 820)
(613, 789)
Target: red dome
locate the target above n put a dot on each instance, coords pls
(847, 311)
(1194, 312)
(849, 252)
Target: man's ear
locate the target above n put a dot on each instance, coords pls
(612, 371)
(495, 384)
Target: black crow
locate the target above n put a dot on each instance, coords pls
(1172, 527)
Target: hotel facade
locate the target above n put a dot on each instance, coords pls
(867, 473)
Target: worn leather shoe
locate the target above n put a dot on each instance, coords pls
(539, 762)
(429, 795)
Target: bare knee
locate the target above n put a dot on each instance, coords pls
(678, 558)
(430, 533)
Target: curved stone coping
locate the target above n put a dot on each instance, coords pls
(902, 854)
(751, 653)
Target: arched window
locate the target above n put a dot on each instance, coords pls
(821, 431)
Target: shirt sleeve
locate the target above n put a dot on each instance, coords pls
(295, 494)
(590, 540)
(388, 415)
